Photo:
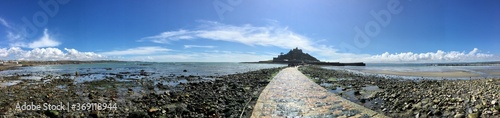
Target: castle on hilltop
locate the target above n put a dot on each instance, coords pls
(295, 55)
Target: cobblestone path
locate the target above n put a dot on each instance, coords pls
(292, 94)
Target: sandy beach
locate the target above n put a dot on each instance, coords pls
(496, 73)
(6, 67)
(426, 74)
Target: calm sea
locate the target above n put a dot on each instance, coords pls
(152, 69)
(163, 69)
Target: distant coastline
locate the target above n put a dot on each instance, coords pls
(11, 64)
(491, 63)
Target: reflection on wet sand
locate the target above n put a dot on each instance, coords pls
(426, 74)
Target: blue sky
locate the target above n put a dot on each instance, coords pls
(244, 30)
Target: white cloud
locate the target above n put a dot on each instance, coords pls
(47, 54)
(137, 51)
(4, 52)
(438, 56)
(44, 53)
(198, 46)
(44, 41)
(75, 54)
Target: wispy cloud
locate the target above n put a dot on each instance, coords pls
(44, 41)
(438, 56)
(14, 34)
(166, 37)
(137, 51)
(47, 54)
(217, 56)
(198, 46)
(4, 23)
(246, 34)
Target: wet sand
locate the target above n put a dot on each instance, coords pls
(426, 74)
(495, 73)
(6, 67)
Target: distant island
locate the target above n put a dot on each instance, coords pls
(297, 57)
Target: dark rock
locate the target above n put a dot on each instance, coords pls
(357, 92)
(138, 114)
(362, 100)
(52, 113)
(124, 72)
(91, 96)
(95, 114)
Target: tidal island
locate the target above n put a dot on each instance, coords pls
(297, 57)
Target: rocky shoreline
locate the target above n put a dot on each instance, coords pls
(396, 97)
(224, 96)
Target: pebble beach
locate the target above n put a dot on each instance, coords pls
(397, 97)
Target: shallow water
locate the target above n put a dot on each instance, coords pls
(128, 71)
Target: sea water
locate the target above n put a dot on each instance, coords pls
(95, 71)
